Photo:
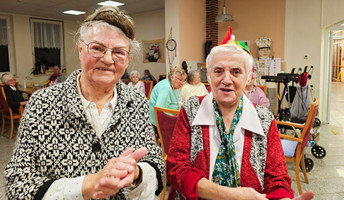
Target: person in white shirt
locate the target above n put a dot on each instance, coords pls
(89, 137)
(193, 87)
(136, 83)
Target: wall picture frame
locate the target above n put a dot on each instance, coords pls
(153, 51)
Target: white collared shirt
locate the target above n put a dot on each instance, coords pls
(99, 121)
(249, 120)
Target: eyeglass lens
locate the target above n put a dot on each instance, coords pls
(98, 50)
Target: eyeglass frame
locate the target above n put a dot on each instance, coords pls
(106, 49)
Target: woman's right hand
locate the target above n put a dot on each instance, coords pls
(109, 180)
(23, 103)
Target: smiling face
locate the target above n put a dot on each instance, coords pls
(227, 75)
(104, 71)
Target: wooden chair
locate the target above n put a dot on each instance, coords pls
(6, 112)
(165, 125)
(148, 87)
(207, 86)
(263, 87)
(300, 142)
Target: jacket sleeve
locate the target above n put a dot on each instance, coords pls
(181, 174)
(23, 180)
(278, 182)
(11, 100)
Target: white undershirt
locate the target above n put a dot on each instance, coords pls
(248, 121)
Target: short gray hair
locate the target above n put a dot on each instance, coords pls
(231, 48)
(117, 20)
(134, 72)
(6, 77)
(191, 75)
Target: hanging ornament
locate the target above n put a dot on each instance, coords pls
(171, 46)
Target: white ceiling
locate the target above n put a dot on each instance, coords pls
(54, 8)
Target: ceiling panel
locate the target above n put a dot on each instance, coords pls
(54, 8)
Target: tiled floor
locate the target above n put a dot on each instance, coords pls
(326, 178)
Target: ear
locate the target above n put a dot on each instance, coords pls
(79, 49)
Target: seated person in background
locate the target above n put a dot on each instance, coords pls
(13, 95)
(224, 146)
(56, 77)
(256, 94)
(135, 83)
(193, 86)
(166, 93)
(148, 76)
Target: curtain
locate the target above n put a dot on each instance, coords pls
(3, 32)
(46, 35)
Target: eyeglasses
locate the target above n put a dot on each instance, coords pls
(181, 80)
(98, 50)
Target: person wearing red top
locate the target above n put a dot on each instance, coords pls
(223, 145)
(56, 77)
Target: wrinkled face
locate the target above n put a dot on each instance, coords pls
(56, 70)
(12, 82)
(104, 71)
(227, 76)
(178, 80)
(135, 78)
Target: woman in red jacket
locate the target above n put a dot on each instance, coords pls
(223, 146)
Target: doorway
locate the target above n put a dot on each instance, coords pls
(333, 66)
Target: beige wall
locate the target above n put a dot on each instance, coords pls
(192, 22)
(149, 26)
(254, 19)
(23, 52)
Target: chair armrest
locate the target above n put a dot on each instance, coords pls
(288, 137)
(290, 124)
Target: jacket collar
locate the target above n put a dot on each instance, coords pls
(249, 119)
(73, 99)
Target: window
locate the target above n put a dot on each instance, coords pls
(47, 37)
(6, 46)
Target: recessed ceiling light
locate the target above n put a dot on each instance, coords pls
(111, 3)
(73, 12)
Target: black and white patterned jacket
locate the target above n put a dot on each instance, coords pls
(55, 139)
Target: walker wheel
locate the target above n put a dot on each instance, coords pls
(309, 164)
(318, 151)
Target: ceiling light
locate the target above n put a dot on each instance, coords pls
(73, 12)
(224, 17)
(111, 3)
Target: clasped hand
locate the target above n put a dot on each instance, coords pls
(118, 173)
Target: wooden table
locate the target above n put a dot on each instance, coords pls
(29, 90)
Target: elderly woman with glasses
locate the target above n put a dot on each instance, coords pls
(166, 93)
(225, 147)
(90, 136)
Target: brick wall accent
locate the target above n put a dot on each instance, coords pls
(211, 25)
